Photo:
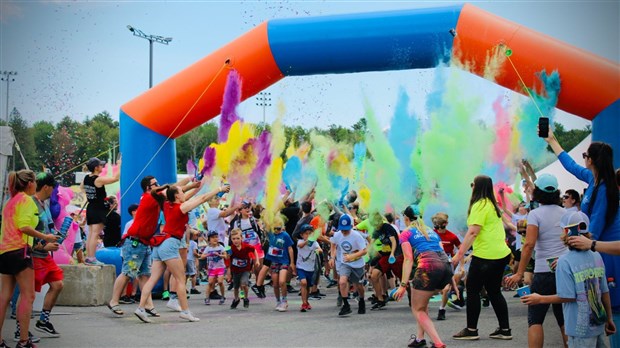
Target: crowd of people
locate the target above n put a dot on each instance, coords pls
(557, 246)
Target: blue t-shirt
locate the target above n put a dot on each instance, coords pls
(418, 241)
(580, 275)
(278, 248)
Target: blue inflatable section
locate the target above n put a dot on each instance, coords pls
(138, 145)
(606, 128)
(381, 41)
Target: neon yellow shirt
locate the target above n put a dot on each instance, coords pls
(490, 243)
(20, 211)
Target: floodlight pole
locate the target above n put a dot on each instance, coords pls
(7, 76)
(151, 38)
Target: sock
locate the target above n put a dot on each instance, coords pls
(345, 301)
(173, 295)
(18, 331)
(278, 299)
(442, 307)
(45, 315)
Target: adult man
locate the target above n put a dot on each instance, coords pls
(215, 218)
(45, 269)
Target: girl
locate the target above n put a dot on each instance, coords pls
(280, 254)
(215, 255)
(19, 218)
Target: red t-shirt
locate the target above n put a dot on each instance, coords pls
(449, 241)
(146, 220)
(240, 258)
(176, 220)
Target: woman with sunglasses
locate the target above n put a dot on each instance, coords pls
(490, 257)
(20, 216)
(600, 204)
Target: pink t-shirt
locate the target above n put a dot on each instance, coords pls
(20, 211)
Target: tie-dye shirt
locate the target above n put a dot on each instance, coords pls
(20, 211)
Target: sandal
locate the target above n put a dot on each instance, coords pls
(116, 309)
(152, 312)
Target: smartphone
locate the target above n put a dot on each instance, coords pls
(543, 127)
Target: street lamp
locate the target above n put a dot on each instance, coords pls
(264, 100)
(151, 38)
(6, 76)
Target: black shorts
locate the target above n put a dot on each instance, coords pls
(95, 215)
(266, 262)
(15, 261)
(544, 284)
(433, 274)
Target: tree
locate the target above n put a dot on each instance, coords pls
(43, 132)
(570, 139)
(63, 158)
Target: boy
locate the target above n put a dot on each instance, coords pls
(306, 259)
(349, 247)
(243, 258)
(582, 289)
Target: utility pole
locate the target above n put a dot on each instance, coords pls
(7, 76)
(264, 100)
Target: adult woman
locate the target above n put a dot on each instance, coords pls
(167, 254)
(490, 257)
(19, 219)
(96, 211)
(543, 235)
(431, 276)
(600, 204)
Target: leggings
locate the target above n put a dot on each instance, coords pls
(488, 274)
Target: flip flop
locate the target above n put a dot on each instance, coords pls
(152, 312)
(116, 309)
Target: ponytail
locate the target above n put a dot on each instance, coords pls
(18, 181)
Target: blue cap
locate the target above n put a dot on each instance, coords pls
(345, 223)
(306, 227)
(547, 183)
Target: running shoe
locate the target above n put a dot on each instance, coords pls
(246, 303)
(283, 306)
(235, 303)
(125, 300)
(278, 305)
(501, 334)
(214, 295)
(346, 309)
(414, 342)
(207, 301)
(173, 304)
(455, 305)
(466, 334)
(256, 290)
(27, 344)
(93, 262)
(195, 291)
(303, 308)
(222, 300)
(31, 337)
(378, 305)
(3, 344)
(47, 328)
(187, 315)
(441, 315)
(291, 289)
(141, 314)
(331, 284)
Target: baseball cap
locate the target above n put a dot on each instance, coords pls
(306, 227)
(245, 204)
(547, 182)
(211, 234)
(94, 163)
(345, 223)
(132, 208)
(575, 218)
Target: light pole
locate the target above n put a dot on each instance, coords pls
(264, 100)
(151, 38)
(7, 76)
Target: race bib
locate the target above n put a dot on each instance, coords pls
(250, 237)
(275, 251)
(239, 262)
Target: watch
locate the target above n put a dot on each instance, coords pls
(403, 284)
(593, 246)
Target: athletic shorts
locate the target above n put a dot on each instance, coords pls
(14, 261)
(167, 250)
(217, 272)
(355, 275)
(136, 260)
(45, 271)
(267, 262)
(395, 268)
(599, 341)
(544, 284)
(277, 267)
(190, 267)
(239, 279)
(95, 215)
(307, 275)
(434, 272)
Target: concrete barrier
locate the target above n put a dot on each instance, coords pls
(87, 285)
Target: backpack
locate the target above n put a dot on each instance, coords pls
(236, 223)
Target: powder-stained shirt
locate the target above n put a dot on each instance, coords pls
(20, 211)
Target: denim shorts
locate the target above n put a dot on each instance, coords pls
(594, 342)
(136, 260)
(167, 250)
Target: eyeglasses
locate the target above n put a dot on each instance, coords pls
(585, 155)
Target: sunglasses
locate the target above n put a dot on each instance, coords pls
(585, 155)
(154, 184)
(277, 228)
(565, 197)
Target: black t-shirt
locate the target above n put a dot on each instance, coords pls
(112, 230)
(292, 213)
(383, 234)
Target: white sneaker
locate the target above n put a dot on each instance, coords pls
(141, 314)
(187, 315)
(173, 304)
(278, 305)
(283, 307)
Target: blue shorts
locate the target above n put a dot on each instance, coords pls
(136, 260)
(77, 246)
(167, 250)
(308, 276)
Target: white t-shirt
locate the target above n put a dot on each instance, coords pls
(306, 256)
(217, 224)
(516, 217)
(349, 244)
(548, 245)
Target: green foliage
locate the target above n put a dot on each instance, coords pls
(570, 139)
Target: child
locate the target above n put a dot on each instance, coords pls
(190, 266)
(306, 259)
(350, 247)
(583, 291)
(215, 254)
(280, 254)
(243, 258)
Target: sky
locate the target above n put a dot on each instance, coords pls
(78, 58)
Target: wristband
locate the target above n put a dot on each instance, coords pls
(403, 284)
(593, 246)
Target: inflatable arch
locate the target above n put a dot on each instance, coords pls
(396, 40)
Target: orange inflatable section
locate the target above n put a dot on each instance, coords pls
(589, 83)
(164, 106)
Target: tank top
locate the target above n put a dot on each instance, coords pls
(95, 195)
(176, 220)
